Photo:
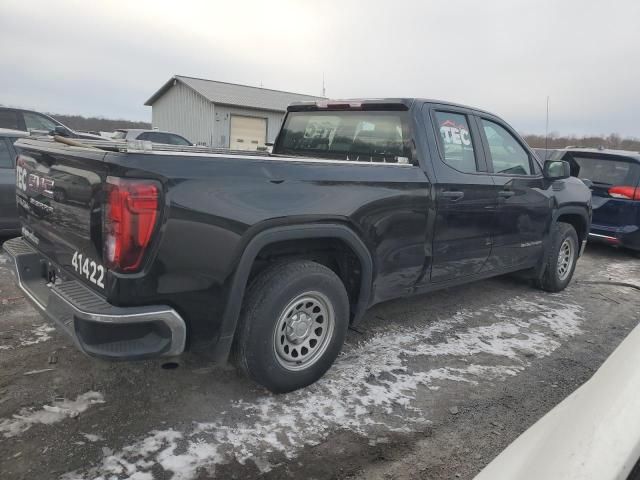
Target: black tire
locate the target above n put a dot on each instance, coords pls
(271, 292)
(553, 280)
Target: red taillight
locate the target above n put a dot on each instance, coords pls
(628, 193)
(131, 213)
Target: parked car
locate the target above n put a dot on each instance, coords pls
(153, 136)
(614, 176)
(593, 434)
(273, 256)
(9, 223)
(28, 120)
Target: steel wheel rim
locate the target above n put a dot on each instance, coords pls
(303, 331)
(565, 259)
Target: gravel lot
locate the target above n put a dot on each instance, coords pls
(430, 387)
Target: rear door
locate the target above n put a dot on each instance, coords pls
(524, 212)
(465, 196)
(8, 210)
(615, 179)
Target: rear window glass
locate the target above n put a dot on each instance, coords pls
(606, 171)
(346, 135)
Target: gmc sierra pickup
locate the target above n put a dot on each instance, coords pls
(267, 258)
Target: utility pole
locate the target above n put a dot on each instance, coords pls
(546, 130)
(324, 92)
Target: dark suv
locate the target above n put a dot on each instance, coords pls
(27, 120)
(615, 178)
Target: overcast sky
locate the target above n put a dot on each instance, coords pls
(106, 58)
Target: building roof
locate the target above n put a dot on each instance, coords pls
(236, 95)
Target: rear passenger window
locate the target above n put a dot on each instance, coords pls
(507, 155)
(456, 141)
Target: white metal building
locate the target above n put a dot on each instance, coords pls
(219, 114)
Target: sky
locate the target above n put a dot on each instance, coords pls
(106, 58)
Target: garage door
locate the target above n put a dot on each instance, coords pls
(247, 133)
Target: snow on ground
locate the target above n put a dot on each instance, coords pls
(625, 272)
(371, 390)
(38, 334)
(92, 437)
(48, 414)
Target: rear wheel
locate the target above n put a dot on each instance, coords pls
(292, 326)
(561, 258)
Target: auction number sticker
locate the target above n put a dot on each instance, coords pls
(92, 271)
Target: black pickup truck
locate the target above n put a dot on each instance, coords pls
(267, 258)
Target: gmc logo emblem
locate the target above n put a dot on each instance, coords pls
(40, 184)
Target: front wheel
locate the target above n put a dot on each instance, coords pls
(293, 324)
(561, 258)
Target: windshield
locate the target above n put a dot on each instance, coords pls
(346, 135)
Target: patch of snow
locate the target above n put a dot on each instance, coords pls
(38, 335)
(3, 258)
(48, 414)
(371, 390)
(93, 437)
(626, 272)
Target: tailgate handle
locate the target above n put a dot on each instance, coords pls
(454, 196)
(506, 193)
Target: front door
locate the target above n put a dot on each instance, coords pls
(465, 198)
(524, 211)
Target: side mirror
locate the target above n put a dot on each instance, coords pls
(61, 131)
(556, 169)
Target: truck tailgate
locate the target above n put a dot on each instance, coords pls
(60, 195)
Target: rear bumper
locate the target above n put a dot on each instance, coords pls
(98, 328)
(627, 236)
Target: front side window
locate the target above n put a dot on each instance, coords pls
(9, 119)
(33, 121)
(456, 141)
(346, 135)
(507, 155)
(5, 154)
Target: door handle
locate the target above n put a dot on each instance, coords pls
(454, 196)
(506, 193)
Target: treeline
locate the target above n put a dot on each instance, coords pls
(96, 124)
(556, 141)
